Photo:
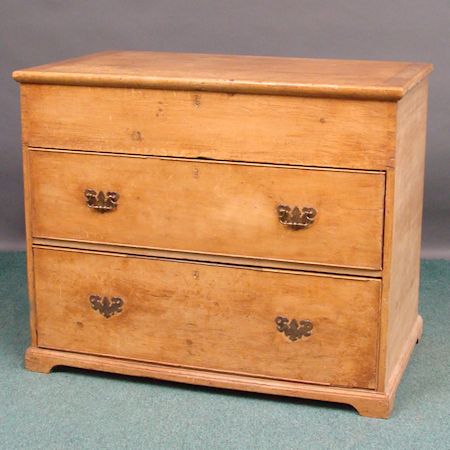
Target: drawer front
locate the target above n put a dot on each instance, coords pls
(282, 325)
(212, 208)
(263, 128)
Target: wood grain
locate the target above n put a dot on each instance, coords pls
(195, 256)
(381, 80)
(213, 317)
(202, 148)
(268, 129)
(367, 403)
(404, 234)
(27, 210)
(224, 209)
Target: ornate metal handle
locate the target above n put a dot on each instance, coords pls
(292, 329)
(294, 218)
(100, 202)
(106, 307)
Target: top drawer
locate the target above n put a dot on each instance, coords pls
(210, 208)
(322, 132)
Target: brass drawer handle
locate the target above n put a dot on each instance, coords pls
(292, 329)
(106, 307)
(100, 202)
(295, 218)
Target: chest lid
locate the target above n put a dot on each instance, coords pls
(377, 80)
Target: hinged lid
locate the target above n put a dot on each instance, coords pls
(378, 80)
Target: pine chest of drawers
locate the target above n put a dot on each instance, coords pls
(238, 222)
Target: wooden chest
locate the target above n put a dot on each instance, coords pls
(231, 221)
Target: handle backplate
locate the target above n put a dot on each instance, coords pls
(292, 329)
(100, 201)
(296, 218)
(106, 307)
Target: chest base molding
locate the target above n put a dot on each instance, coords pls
(368, 403)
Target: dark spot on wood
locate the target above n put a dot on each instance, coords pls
(322, 120)
(189, 342)
(136, 136)
(80, 324)
(197, 100)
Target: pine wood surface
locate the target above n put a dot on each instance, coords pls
(403, 272)
(382, 80)
(205, 316)
(319, 132)
(367, 403)
(222, 209)
(168, 130)
(203, 257)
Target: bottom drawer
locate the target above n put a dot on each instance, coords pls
(285, 325)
